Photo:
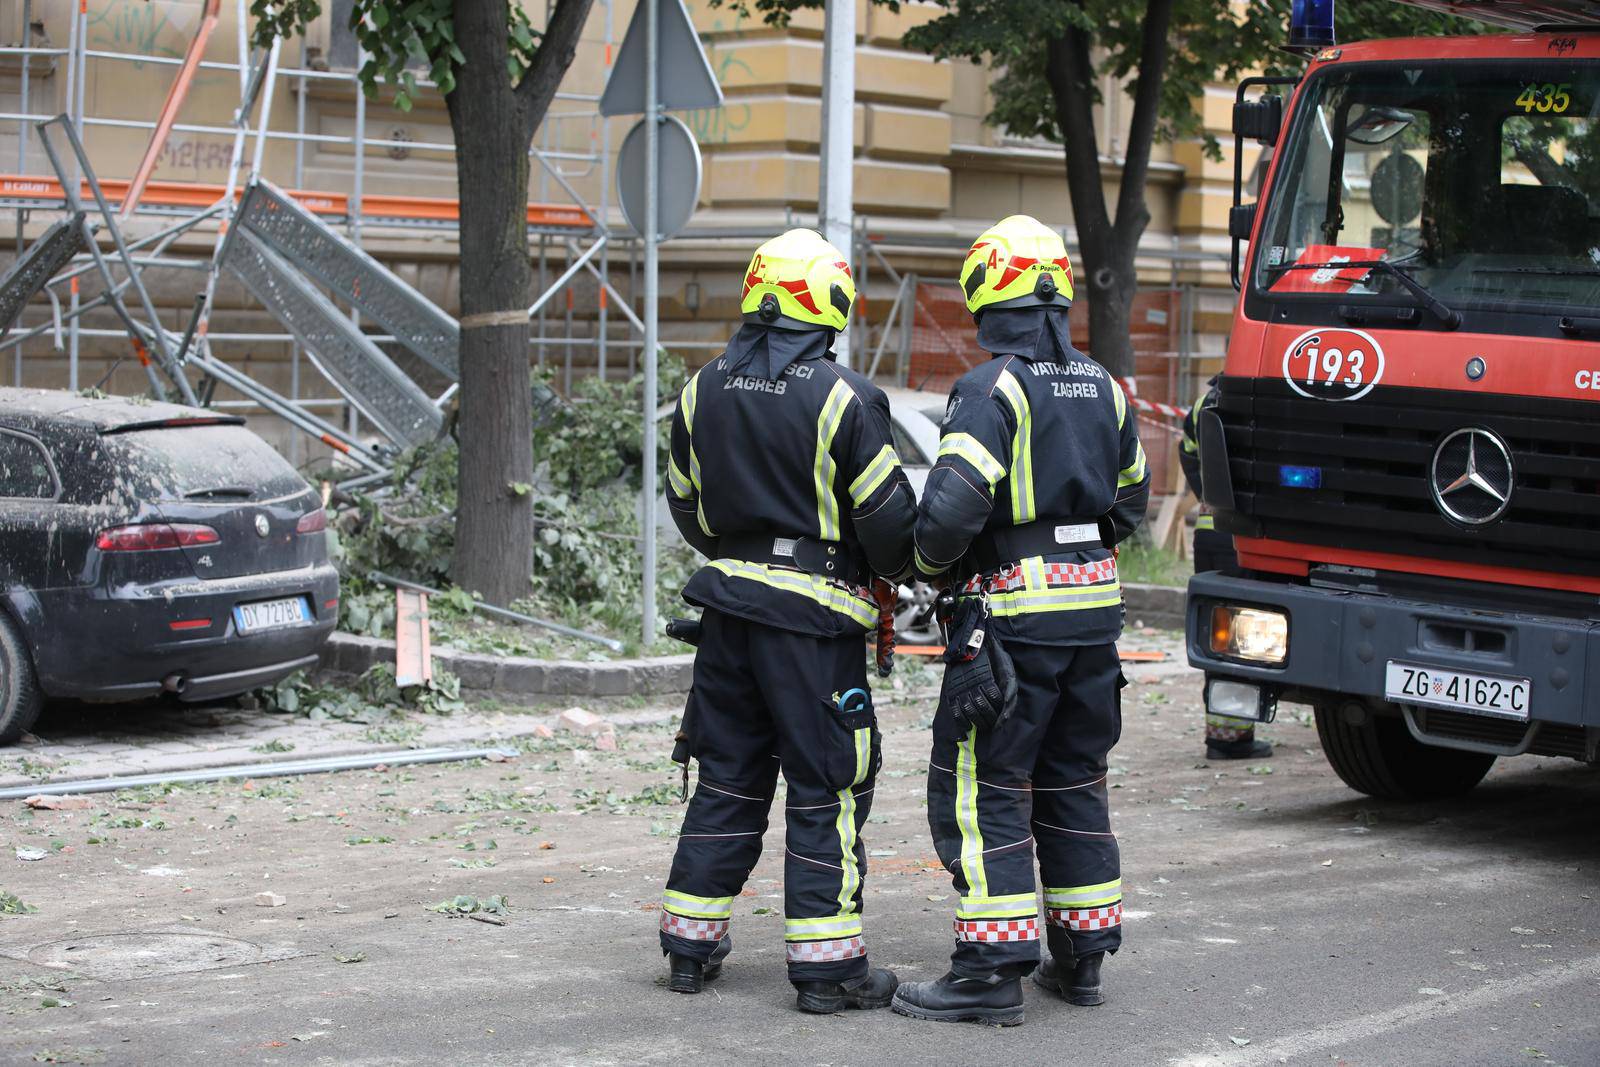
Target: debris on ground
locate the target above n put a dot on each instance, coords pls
(542, 732)
(470, 905)
(579, 721)
(268, 899)
(11, 904)
(46, 802)
(31, 855)
(606, 740)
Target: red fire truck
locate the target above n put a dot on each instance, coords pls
(1405, 442)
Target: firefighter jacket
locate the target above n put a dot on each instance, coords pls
(1189, 457)
(1037, 447)
(773, 441)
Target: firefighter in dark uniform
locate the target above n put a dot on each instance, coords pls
(1226, 738)
(1040, 474)
(784, 476)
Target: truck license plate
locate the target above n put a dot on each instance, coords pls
(1480, 694)
(271, 615)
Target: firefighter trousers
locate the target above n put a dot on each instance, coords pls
(765, 698)
(1038, 781)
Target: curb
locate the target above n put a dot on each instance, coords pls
(1161, 606)
(351, 654)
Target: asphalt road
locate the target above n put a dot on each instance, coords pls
(1272, 918)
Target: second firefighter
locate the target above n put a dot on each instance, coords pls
(1039, 475)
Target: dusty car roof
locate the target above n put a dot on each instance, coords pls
(102, 413)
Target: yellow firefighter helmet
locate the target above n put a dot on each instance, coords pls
(798, 281)
(1018, 262)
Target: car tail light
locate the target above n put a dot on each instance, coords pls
(150, 537)
(312, 522)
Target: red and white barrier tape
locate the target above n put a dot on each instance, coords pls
(1130, 387)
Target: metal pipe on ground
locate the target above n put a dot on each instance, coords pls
(281, 769)
(503, 613)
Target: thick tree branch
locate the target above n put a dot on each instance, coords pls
(1071, 78)
(1132, 214)
(557, 49)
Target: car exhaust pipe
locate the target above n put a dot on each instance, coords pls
(176, 682)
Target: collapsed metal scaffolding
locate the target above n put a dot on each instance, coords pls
(283, 246)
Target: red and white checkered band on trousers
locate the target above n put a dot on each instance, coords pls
(1086, 918)
(1055, 574)
(845, 948)
(997, 929)
(694, 929)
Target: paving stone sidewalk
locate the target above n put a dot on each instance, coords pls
(74, 742)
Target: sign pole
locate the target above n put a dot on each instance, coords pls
(837, 195)
(652, 287)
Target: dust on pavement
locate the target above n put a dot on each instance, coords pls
(1272, 916)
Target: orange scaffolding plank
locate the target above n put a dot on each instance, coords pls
(197, 195)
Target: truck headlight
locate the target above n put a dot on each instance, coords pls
(1249, 633)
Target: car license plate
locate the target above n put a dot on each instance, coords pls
(1480, 694)
(271, 615)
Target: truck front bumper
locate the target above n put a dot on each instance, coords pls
(1340, 642)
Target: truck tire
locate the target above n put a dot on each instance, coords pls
(1376, 755)
(20, 696)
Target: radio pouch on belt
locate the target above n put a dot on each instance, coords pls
(980, 681)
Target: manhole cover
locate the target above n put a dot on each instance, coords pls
(119, 957)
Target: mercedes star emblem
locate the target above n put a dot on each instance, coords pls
(1471, 476)
(262, 526)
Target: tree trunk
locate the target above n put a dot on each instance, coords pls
(493, 124)
(494, 521)
(1108, 247)
(1110, 322)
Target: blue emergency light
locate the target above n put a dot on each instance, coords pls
(1300, 477)
(1311, 24)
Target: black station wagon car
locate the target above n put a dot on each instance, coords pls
(149, 548)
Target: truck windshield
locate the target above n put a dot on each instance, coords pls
(1480, 181)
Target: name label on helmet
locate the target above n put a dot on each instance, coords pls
(757, 385)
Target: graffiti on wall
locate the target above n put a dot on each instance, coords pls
(717, 125)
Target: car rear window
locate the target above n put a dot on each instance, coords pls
(203, 462)
(25, 471)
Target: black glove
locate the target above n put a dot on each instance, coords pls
(980, 681)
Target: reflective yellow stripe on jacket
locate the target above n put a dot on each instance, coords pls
(1037, 596)
(824, 591)
(971, 449)
(827, 425)
(1022, 505)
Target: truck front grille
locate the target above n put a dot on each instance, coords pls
(1374, 455)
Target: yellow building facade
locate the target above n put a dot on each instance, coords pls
(929, 175)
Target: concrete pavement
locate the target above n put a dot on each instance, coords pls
(1273, 917)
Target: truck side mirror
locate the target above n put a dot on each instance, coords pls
(1259, 119)
(1241, 220)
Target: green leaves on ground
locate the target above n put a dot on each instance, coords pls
(375, 697)
(11, 904)
(470, 905)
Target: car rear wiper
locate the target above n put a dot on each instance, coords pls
(221, 490)
(1446, 314)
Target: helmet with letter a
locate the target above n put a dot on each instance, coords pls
(798, 281)
(1018, 262)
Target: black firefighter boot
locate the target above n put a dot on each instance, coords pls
(954, 999)
(1082, 985)
(871, 990)
(689, 975)
(1243, 748)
